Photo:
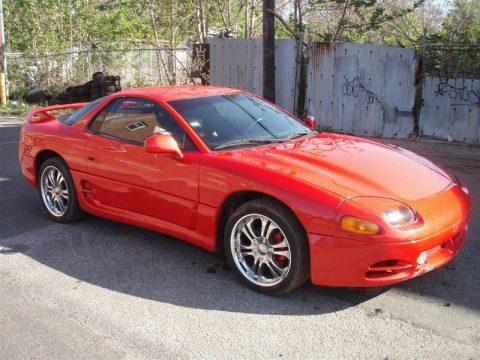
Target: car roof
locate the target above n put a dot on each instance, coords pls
(177, 92)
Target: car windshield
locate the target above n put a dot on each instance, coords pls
(238, 120)
(77, 115)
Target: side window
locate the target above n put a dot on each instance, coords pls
(134, 120)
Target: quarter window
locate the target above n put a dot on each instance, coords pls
(134, 120)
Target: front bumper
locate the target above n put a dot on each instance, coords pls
(356, 263)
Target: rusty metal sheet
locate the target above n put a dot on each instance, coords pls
(238, 63)
(285, 70)
(451, 109)
(362, 89)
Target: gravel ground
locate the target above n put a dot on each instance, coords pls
(100, 289)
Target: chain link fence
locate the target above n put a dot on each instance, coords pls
(137, 67)
(451, 61)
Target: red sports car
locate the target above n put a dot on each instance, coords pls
(222, 168)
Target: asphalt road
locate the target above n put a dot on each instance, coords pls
(100, 289)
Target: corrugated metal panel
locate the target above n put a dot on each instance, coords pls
(451, 109)
(285, 69)
(238, 63)
(235, 63)
(362, 89)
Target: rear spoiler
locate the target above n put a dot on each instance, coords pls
(43, 114)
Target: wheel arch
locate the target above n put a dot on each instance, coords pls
(43, 156)
(237, 199)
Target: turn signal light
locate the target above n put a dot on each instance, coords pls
(359, 226)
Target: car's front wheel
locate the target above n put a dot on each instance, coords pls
(267, 246)
(57, 191)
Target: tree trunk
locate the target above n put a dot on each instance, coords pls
(201, 22)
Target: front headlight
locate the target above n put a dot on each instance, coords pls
(400, 216)
(394, 213)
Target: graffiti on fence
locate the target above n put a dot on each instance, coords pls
(355, 87)
(468, 97)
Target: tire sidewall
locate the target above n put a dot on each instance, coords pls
(73, 211)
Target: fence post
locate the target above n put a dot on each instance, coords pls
(268, 50)
(3, 88)
(299, 81)
(418, 102)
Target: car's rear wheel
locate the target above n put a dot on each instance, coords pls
(267, 246)
(57, 191)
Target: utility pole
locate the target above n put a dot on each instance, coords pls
(268, 50)
(3, 88)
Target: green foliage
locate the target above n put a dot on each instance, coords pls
(59, 25)
(15, 108)
(462, 24)
(355, 20)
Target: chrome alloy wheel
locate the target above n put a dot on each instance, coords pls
(54, 190)
(260, 250)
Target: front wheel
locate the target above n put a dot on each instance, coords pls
(267, 246)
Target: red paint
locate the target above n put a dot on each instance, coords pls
(43, 114)
(312, 176)
(162, 144)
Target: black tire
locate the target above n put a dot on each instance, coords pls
(85, 98)
(107, 90)
(289, 226)
(97, 76)
(107, 82)
(96, 95)
(74, 91)
(53, 101)
(72, 210)
(111, 78)
(84, 91)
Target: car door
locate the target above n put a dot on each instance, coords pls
(123, 175)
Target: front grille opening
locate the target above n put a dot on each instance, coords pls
(387, 268)
(385, 263)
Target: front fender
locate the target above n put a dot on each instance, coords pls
(314, 206)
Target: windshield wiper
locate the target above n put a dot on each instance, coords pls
(240, 142)
(299, 134)
(246, 142)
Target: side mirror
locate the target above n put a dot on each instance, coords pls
(310, 122)
(162, 144)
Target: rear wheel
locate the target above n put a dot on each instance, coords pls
(267, 246)
(57, 191)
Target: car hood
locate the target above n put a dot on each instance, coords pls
(351, 166)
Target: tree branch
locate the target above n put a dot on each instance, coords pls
(342, 19)
(286, 26)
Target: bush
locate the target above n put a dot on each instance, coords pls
(15, 108)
